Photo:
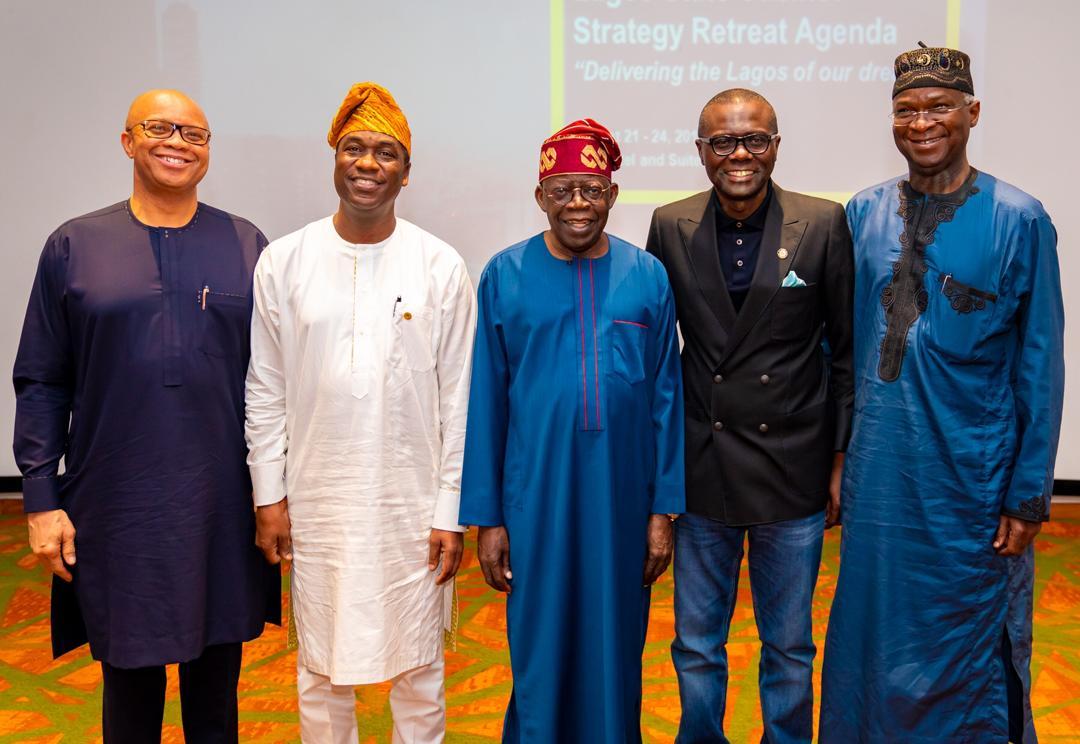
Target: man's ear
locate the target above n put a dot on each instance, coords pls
(974, 110)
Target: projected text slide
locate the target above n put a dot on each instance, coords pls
(645, 67)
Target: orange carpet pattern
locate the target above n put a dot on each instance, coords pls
(45, 702)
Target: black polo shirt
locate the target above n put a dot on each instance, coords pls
(738, 242)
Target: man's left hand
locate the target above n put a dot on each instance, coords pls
(450, 545)
(1014, 535)
(832, 508)
(659, 547)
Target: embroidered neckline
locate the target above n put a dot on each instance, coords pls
(905, 298)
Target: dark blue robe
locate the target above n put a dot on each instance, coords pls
(575, 436)
(131, 368)
(958, 393)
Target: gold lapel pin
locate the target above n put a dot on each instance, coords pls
(407, 315)
(781, 254)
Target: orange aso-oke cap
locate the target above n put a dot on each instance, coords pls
(583, 147)
(369, 107)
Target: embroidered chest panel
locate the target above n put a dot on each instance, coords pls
(906, 296)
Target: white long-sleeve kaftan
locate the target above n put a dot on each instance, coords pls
(357, 395)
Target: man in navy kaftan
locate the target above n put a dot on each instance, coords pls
(959, 379)
(131, 368)
(574, 452)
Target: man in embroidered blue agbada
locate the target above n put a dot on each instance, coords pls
(131, 368)
(959, 380)
(574, 450)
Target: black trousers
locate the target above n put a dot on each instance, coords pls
(134, 699)
(1014, 691)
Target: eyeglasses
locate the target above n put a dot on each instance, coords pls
(156, 129)
(561, 195)
(905, 116)
(724, 144)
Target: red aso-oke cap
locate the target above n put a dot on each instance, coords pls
(583, 147)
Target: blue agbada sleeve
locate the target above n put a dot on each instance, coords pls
(669, 495)
(485, 433)
(1039, 383)
(44, 383)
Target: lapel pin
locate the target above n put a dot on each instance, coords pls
(781, 254)
(407, 315)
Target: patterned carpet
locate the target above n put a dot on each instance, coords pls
(44, 702)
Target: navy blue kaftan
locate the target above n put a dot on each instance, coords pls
(131, 367)
(575, 436)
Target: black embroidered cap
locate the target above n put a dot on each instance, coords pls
(933, 67)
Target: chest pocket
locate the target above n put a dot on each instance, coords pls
(794, 312)
(410, 339)
(224, 322)
(958, 318)
(628, 350)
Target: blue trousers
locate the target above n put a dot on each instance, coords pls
(784, 558)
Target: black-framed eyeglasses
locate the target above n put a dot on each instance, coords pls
(905, 116)
(563, 195)
(725, 144)
(157, 129)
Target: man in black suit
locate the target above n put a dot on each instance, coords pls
(760, 276)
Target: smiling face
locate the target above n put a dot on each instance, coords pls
(165, 166)
(578, 225)
(370, 169)
(741, 179)
(936, 151)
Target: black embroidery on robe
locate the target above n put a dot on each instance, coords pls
(1034, 509)
(964, 298)
(905, 298)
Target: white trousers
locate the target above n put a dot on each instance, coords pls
(417, 703)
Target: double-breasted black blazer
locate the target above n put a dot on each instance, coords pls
(767, 405)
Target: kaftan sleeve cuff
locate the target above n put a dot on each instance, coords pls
(1035, 509)
(481, 512)
(669, 499)
(41, 494)
(268, 483)
(446, 511)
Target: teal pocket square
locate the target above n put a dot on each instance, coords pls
(792, 280)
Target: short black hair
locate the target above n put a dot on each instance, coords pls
(737, 95)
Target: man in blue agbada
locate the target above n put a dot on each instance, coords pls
(958, 391)
(574, 450)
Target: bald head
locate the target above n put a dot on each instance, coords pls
(735, 96)
(168, 167)
(148, 105)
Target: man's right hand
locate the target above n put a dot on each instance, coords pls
(493, 552)
(272, 531)
(52, 538)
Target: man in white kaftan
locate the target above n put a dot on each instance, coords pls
(357, 394)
